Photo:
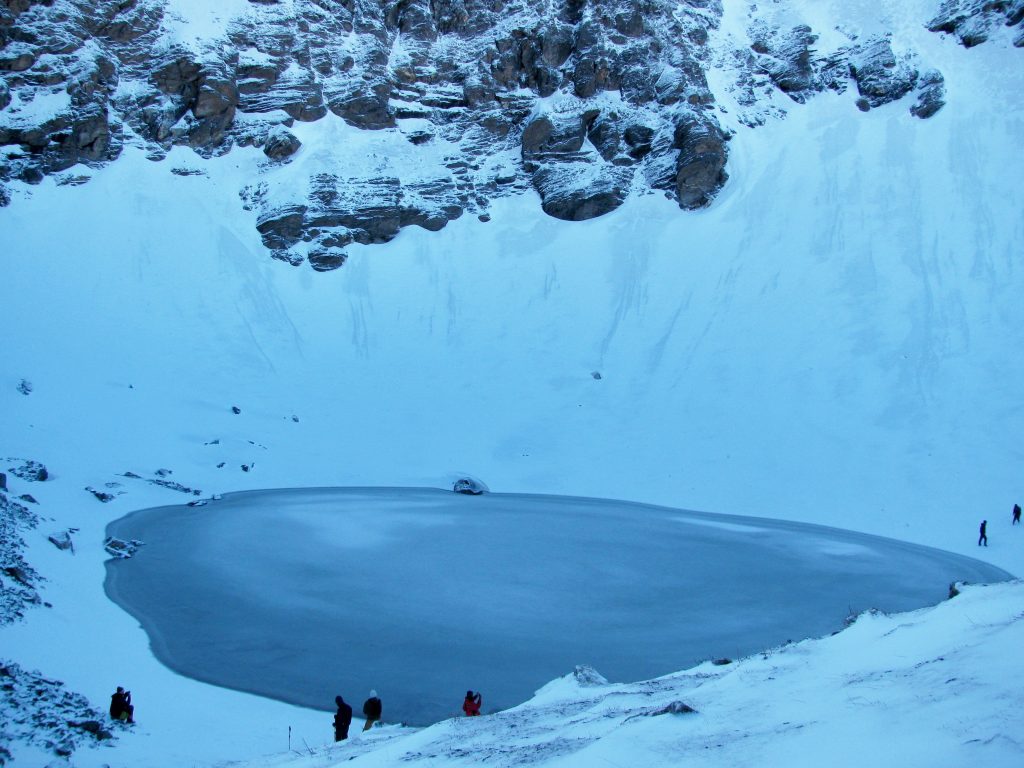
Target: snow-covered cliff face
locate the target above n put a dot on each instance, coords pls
(451, 103)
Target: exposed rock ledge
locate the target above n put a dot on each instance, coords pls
(585, 101)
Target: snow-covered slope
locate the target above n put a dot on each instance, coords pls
(928, 688)
(836, 339)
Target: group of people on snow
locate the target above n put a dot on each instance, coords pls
(983, 530)
(373, 709)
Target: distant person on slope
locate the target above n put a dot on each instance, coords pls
(121, 705)
(1016, 514)
(471, 706)
(372, 708)
(342, 719)
(982, 536)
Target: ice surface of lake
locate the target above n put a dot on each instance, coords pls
(422, 594)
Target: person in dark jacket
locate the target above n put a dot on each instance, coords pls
(373, 709)
(982, 536)
(121, 705)
(342, 719)
(471, 705)
(1016, 514)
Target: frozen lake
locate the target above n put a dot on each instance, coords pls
(422, 594)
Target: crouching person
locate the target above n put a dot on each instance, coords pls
(121, 706)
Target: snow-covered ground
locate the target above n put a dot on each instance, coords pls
(927, 688)
(836, 340)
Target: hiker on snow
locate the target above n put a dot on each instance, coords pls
(342, 719)
(121, 705)
(471, 706)
(372, 708)
(982, 537)
(1016, 514)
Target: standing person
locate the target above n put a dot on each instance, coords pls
(471, 705)
(121, 705)
(342, 719)
(982, 537)
(1016, 514)
(372, 708)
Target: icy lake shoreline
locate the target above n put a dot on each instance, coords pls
(299, 594)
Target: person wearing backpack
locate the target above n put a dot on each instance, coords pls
(471, 704)
(373, 709)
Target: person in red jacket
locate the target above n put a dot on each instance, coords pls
(471, 706)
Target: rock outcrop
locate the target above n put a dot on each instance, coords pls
(461, 79)
(18, 580)
(44, 713)
(437, 107)
(973, 22)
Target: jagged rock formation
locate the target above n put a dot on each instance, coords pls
(973, 21)
(446, 104)
(798, 70)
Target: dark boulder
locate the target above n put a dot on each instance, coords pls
(16, 57)
(674, 708)
(32, 471)
(366, 107)
(881, 77)
(554, 133)
(786, 57)
(326, 259)
(469, 486)
(281, 144)
(931, 94)
(281, 228)
(101, 495)
(593, 73)
(579, 187)
(700, 167)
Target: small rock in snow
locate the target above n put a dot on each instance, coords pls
(62, 541)
(588, 677)
(25, 387)
(470, 486)
(32, 471)
(236, 410)
(101, 495)
(120, 547)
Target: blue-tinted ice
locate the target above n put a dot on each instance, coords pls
(422, 594)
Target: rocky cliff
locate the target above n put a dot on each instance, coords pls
(584, 101)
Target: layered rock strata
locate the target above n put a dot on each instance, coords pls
(438, 106)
